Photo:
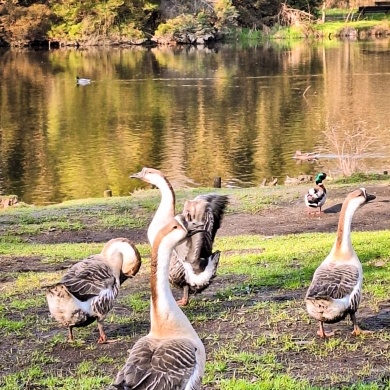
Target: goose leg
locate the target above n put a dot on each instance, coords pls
(70, 333)
(184, 300)
(356, 330)
(321, 332)
(103, 338)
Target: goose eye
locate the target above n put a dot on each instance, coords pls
(175, 227)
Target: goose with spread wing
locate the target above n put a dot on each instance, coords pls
(336, 288)
(88, 290)
(193, 264)
(171, 356)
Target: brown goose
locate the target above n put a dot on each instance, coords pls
(336, 288)
(88, 290)
(194, 264)
(171, 356)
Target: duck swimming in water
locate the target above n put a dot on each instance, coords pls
(82, 81)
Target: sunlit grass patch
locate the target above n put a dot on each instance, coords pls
(289, 261)
(138, 302)
(27, 303)
(124, 221)
(86, 377)
(8, 326)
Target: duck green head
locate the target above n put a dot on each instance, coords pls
(320, 177)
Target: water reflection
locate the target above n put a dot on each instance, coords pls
(239, 113)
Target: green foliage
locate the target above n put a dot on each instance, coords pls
(362, 177)
(25, 24)
(183, 23)
(226, 14)
(90, 20)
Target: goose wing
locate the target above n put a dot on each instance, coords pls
(208, 209)
(218, 204)
(334, 281)
(89, 278)
(159, 365)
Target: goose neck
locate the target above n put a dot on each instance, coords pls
(165, 210)
(343, 241)
(167, 319)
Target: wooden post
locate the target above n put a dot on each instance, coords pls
(107, 193)
(217, 182)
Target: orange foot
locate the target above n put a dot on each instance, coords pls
(182, 302)
(102, 339)
(325, 335)
(357, 331)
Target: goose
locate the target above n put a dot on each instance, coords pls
(89, 288)
(316, 197)
(193, 264)
(82, 81)
(171, 356)
(336, 288)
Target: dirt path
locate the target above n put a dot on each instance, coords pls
(287, 218)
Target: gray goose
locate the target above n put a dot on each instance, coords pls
(336, 288)
(171, 356)
(193, 264)
(88, 290)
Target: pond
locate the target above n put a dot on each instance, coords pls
(239, 112)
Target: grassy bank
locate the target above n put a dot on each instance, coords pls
(252, 319)
(338, 23)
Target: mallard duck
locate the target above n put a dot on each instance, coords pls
(171, 356)
(336, 287)
(82, 81)
(194, 264)
(316, 197)
(89, 288)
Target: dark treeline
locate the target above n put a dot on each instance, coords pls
(96, 22)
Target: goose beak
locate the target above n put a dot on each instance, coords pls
(191, 227)
(136, 175)
(370, 197)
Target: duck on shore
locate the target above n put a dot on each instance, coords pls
(336, 288)
(87, 292)
(171, 356)
(193, 264)
(315, 198)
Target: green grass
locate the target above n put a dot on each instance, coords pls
(264, 332)
(335, 22)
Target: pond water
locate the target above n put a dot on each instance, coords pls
(236, 111)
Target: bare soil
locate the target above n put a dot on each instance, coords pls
(287, 218)
(16, 349)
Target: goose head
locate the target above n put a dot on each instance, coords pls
(122, 251)
(149, 175)
(358, 198)
(178, 230)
